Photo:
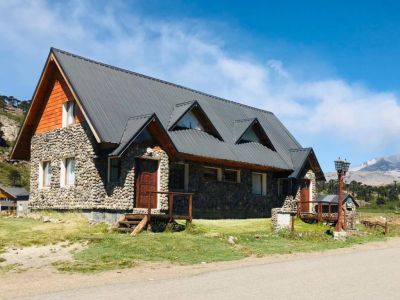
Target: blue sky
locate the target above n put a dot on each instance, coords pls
(328, 69)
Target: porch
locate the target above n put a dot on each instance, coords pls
(136, 222)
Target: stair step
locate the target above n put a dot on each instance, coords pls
(133, 217)
(129, 223)
(124, 229)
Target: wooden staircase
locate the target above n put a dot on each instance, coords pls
(133, 223)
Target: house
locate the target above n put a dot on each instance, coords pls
(104, 140)
(325, 208)
(13, 200)
(349, 202)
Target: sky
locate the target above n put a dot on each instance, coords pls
(327, 69)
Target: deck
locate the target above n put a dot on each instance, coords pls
(318, 211)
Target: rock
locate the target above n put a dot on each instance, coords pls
(45, 219)
(232, 240)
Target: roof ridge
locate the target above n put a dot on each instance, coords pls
(159, 80)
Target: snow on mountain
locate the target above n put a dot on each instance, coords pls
(376, 171)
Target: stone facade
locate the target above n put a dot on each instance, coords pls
(91, 191)
(221, 199)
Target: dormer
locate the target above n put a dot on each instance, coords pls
(190, 115)
(251, 131)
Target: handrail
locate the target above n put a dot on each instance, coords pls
(171, 204)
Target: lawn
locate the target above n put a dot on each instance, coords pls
(206, 241)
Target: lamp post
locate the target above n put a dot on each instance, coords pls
(341, 166)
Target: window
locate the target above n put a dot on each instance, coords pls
(231, 175)
(45, 174)
(67, 172)
(212, 174)
(259, 184)
(189, 121)
(114, 169)
(250, 136)
(68, 113)
(179, 176)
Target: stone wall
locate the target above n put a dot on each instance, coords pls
(91, 190)
(220, 199)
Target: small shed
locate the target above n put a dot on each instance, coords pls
(14, 200)
(348, 202)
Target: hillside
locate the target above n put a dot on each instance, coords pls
(11, 117)
(376, 172)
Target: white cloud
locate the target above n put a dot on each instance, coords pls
(187, 53)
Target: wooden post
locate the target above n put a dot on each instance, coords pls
(292, 222)
(171, 206)
(329, 211)
(345, 217)
(190, 207)
(319, 212)
(148, 209)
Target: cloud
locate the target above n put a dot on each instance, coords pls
(188, 53)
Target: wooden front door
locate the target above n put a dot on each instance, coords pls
(305, 195)
(146, 181)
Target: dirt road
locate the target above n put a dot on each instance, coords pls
(369, 271)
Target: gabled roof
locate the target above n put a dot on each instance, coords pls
(333, 198)
(240, 127)
(181, 109)
(109, 97)
(133, 128)
(300, 158)
(18, 193)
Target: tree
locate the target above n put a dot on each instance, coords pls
(2, 141)
(15, 177)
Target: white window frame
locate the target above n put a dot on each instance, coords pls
(237, 175)
(68, 113)
(219, 172)
(43, 174)
(263, 183)
(63, 173)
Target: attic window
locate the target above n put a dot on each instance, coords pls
(250, 136)
(189, 121)
(255, 134)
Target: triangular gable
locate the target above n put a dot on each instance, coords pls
(250, 130)
(137, 126)
(305, 157)
(195, 112)
(52, 77)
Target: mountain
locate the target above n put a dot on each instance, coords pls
(377, 171)
(11, 116)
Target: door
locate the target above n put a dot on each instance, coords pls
(305, 195)
(146, 181)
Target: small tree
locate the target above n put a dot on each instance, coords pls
(15, 177)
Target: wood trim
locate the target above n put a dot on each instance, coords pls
(227, 163)
(96, 135)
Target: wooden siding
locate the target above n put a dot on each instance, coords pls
(51, 117)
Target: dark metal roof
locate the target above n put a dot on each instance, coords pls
(133, 128)
(110, 96)
(18, 193)
(300, 158)
(335, 198)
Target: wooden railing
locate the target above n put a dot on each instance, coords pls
(170, 215)
(318, 214)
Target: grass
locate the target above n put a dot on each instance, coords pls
(205, 241)
(23, 232)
